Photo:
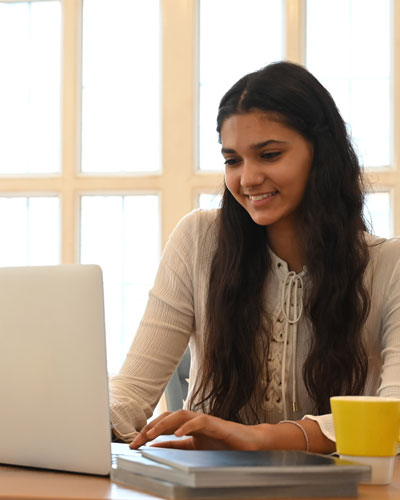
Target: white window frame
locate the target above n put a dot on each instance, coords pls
(180, 181)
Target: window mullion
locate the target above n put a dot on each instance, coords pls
(396, 86)
(71, 104)
(179, 97)
(396, 114)
(295, 30)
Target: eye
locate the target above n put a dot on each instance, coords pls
(231, 161)
(271, 155)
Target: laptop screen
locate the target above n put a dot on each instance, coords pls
(53, 371)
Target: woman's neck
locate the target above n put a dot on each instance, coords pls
(285, 243)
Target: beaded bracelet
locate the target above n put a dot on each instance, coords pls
(302, 430)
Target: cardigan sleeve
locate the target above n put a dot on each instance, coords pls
(387, 285)
(390, 335)
(325, 423)
(162, 336)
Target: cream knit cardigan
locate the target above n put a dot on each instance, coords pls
(175, 315)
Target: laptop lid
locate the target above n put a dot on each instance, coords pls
(53, 372)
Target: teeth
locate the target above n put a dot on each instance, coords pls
(261, 196)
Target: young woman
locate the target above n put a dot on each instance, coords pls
(284, 297)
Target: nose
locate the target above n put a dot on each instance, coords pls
(251, 175)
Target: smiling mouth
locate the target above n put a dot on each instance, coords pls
(258, 197)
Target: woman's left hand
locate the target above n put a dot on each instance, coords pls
(206, 433)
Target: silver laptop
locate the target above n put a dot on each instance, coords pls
(53, 374)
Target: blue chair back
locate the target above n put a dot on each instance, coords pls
(177, 389)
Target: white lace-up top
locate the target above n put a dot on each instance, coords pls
(175, 315)
(282, 352)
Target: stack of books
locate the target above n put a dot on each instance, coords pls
(175, 474)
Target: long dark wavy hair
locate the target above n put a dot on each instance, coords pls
(332, 228)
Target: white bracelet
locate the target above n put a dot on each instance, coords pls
(302, 430)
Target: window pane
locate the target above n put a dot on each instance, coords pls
(30, 230)
(349, 51)
(30, 50)
(122, 235)
(378, 213)
(209, 200)
(236, 38)
(121, 86)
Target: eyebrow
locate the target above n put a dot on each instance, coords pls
(256, 146)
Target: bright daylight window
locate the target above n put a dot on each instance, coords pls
(115, 235)
(357, 69)
(234, 39)
(30, 105)
(31, 227)
(108, 115)
(30, 59)
(121, 121)
(121, 88)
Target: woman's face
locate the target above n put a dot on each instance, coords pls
(267, 166)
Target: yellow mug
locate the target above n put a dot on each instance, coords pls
(367, 430)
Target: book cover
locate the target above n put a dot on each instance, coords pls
(251, 461)
(237, 468)
(170, 490)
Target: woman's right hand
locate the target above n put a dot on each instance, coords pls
(204, 432)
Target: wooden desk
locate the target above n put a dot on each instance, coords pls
(28, 484)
